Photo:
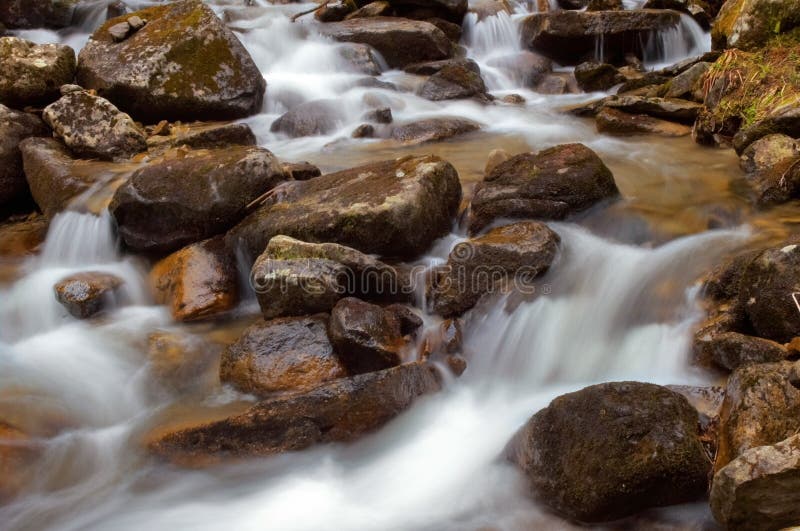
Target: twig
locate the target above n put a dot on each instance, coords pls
(298, 15)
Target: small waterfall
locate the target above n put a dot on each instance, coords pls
(667, 47)
(76, 239)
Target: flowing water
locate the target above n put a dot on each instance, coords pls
(619, 303)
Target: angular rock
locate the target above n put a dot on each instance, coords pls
(399, 41)
(366, 336)
(784, 120)
(731, 350)
(614, 122)
(432, 130)
(85, 294)
(550, 184)
(196, 282)
(26, 14)
(674, 110)
(184, 64)
(686, 83)
(593, 76)
(201, 135)
(761, 407)
(373, 9)
(768, 151)
(338, 411)
(452, 82)
(749, 24)
(15, 126)
(569, 37)
(190, 196)
(361, 57)
(394, 207)
(318, 117)
(612, 450)
(301, 171)
(759, 490)
(777, 184)
(92, 127)
(289, 354)
(513, 255)
(30, 74)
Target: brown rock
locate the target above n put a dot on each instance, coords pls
(15, 126)
(593, 76)
(182, 362)
(452, 82)
(768, 151)
(18, 453)
(30, 74)
(614, 122)
(432, 130)
(85, 294)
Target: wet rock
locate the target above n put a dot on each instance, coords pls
(674, 110)
(22, 236)
(92, 127)
(334, 11)
(182, 362)
(749, 24)
(604, 5)
(451, 30)
(30, 74)
(86, 294)
(554, 84)
(767, 152)
(768, 287)
(513, 99)
(15, 126)
(191, 195)
(361, 58)
(196, 282)
(201, 135)
(505, 258)
(450, 10)
(759, 489)
(614, 122)
(429, 68)
(761, 408)
(731, 350)
(318, 117)
(648, 79)
(373, 9)
(593, 76)
(489, 8)
(379, 116)
(685, 84)
(495, 158)
(363, 131)
(573, 4)
(399, 41)
(612, 450)
(338, 411)
(550, 184)
(700, 11)
(777, 184)
(394, 207)
(453, 82)
(293, 277)
(27, 14)
(784, 120)
(301, 171)
(569, 37)
(184, 64)
(289, 354)
(432, 130)
(366, 336)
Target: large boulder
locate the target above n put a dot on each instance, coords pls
(338, 411)
(761, 407)
(196, 282)
(749, 24)
(776, 184)
(292, 277)
(85, 294)
(318, 117)
(183, 64)
(288, 354)
(26, 14)
(92, 127)
(31, 74)
(512, 255)
(760, 489)
(15, 126)
(612, 450)
(453, 82)
(550, 184)
(570, 37)
(400, 41)
(731, 350)
(394, 207)
(191, 195)
(784, 119)
(768, 151)
(369, 337)
(432, 130)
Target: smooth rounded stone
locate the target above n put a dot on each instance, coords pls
(687, 83)
(527, 68)
(373, 9)
(399, 41)
(432, 130)
(92, 127)
(201, 135)
(196, 282)
(570, 37)
(184, 64)
(288, 354)
(27, 14)
(767, 152)
(15, 126)
(429, 68)
(495, 158)
(334, 11)
(449, 10)
(30, 74)
(312, 118)
(749, 24)
(768, 287)
(550, 184)
(513, 99)
(363, 131)
(506, 258)
(614, 122)
(86, 294)
(301, 171)
(612, 450)
(760, 489)
(367, 337)
(673, 110)
(394, 207)
(784, 120)
(341, 410)
(379, 116)
(593, 76)
(761, 407)
(294, 277)
(731, 350)
(452, 82)
(182, 362)
(190, 195)
(555, 84)
(361, 58)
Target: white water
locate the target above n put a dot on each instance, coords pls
(601, 317)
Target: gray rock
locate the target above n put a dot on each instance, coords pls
(432, 130)
(768, 151)
(31, 74)
(453, 82)
(15, 126)
(312, 118)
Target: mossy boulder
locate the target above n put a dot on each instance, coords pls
(611, 450)
(25, 14)
(15, 126)
(190, 195)
(31, 74)
(749, 24)
(394, 207)
(184, 64)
